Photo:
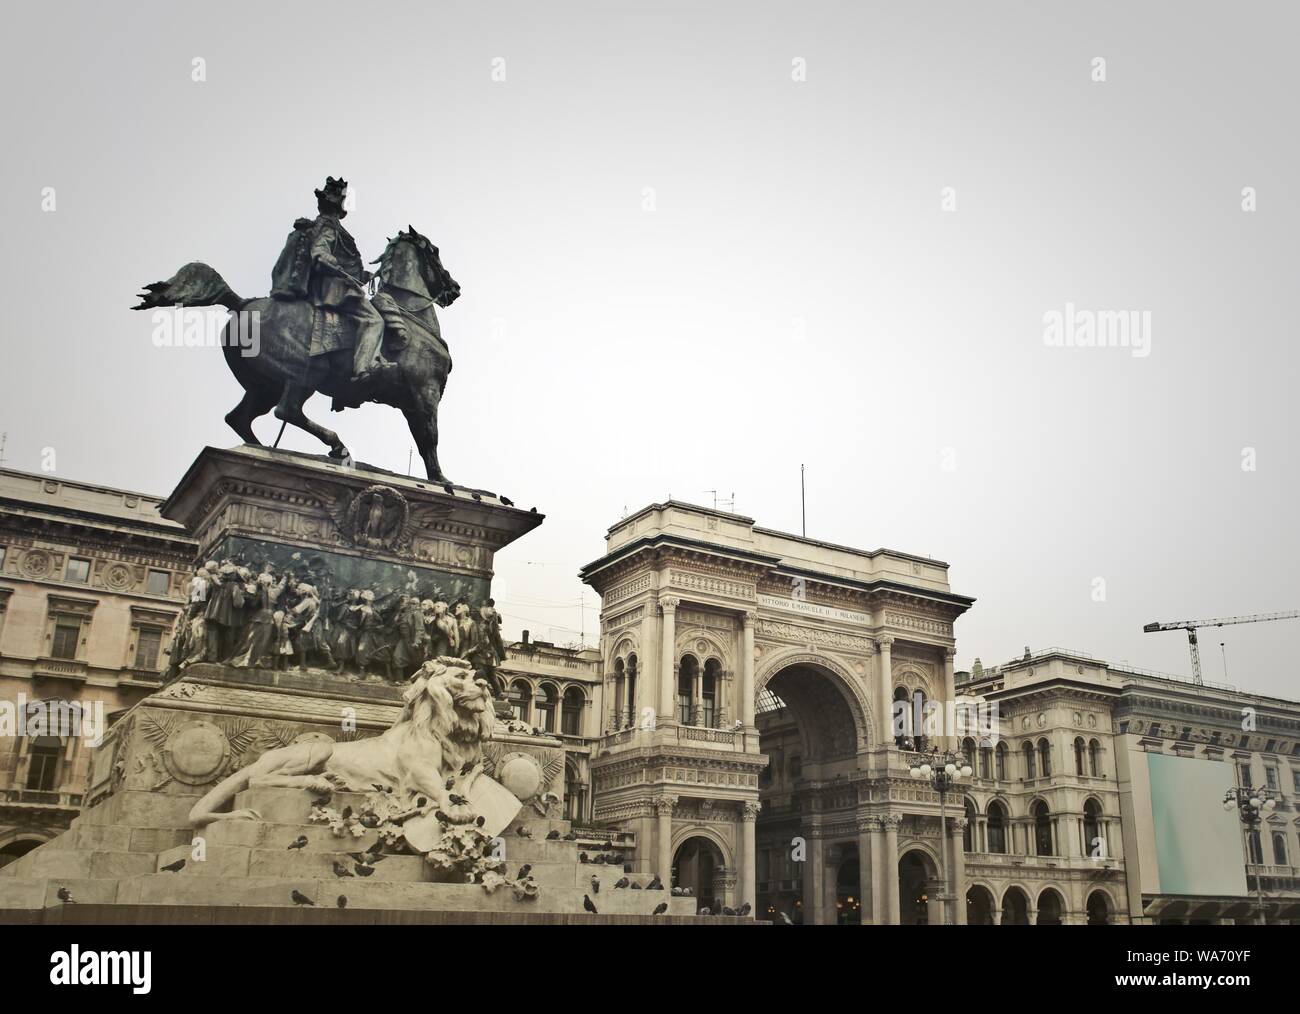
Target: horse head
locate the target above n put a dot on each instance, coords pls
(411, 262)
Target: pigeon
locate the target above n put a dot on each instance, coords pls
(507, 501)
(422, 802)
(627, 867)
(705, 911)
(582, 857)
(552, 835)
(571, 836)
(523, 832)
(621, 883)
(448, 488)
(363, 870)
(347, 812)
(785, 919)
(343, 901)
(524, 870)
(532, 510)
(340, 870)
(466, 768)
(376, 848)
(450, 782)
(678, 893)
(661, 908)
(636, 886)
(477, 496)
(480, 820)
(175, 867)
(745, 909)
(65, 896)
(655, 884)
(456, 800)
(441, 817)
(300, 899)
(589, 905)
(298, 843)
(595, 884)
(728, 910)
(607, 845)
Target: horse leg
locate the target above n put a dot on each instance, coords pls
(257, 401)
(422, 420)
(290, 410)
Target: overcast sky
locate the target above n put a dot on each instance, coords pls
(685, 270)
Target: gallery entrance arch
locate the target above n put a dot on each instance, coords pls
(812, 726)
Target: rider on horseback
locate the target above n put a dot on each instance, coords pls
(321, 262)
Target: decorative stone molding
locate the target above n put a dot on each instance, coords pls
(890, 822)
(749, 810)
(664, 805)
(800, 634)
(669, 603)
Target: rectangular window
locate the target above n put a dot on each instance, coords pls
(2, 557)
(78, 570)
(1244, 769)
(43, 769)
(570, 721)
(1295, 780)
(159, 582)
(1270, 777)
(67, 636)
(148, 645)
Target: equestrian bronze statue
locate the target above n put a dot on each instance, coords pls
(320, 331)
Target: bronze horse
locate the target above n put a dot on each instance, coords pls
(283, 374)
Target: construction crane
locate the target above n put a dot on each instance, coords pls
(1191, 627)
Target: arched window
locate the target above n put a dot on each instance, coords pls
(1000, 756)
(1042, 829)
(1030, 770)
(620, 686)
(997, 827)
(1094, 758)
(968, 832)
(1092, 827)
(686, 687)
(709, 693)
(1256, 852)
(1079, 750)
(1279, 849)
(571, 721)
(918, 718)
(520, 696)
(43, 762)
(902, 717)
(546, 700)
(630, 696)
(1045, 758)
(986, 762)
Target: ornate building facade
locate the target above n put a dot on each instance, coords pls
(91, 581)
(706, 622)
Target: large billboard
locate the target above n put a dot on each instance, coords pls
(1191, 845)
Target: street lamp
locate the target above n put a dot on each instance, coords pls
(1252, 804)
(942, 769)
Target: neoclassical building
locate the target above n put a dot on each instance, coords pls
(753, 675)
(91, 582)
(752, 680)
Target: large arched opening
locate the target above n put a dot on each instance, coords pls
(916, 877)
(812, 724)
(1099, 909)
(1051, 908)
(15, 850)
(1015, 908)
(698, 865)
(979, 906)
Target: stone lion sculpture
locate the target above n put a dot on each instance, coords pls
(436, 740)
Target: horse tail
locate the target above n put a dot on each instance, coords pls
(195, 284)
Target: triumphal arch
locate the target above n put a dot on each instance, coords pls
(750, 738)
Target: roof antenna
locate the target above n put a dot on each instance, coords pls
(803, 504)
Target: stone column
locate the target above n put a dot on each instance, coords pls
(746, 709)
(867, 835)
(667, 659)
(957, 869)
(813, 875)
(664, 837)
(885, 691)
(889, 873)
(748, 854)
(950, 695)
(697, 698)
